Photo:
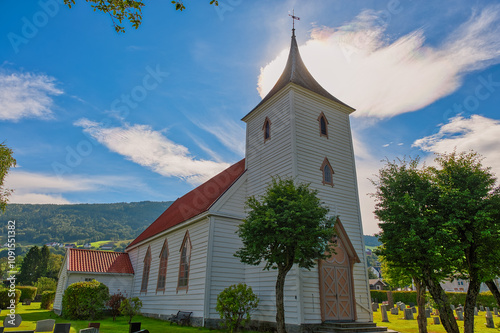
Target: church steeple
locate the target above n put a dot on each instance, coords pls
(296, 72)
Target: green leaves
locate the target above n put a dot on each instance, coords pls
(6, 162)
(234, 304)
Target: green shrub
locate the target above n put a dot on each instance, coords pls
(47, 299)
(85, 300)
(6, 295)
(379, 295)
(27, 292)
(234, 305)
(45, 284)
(131, 307)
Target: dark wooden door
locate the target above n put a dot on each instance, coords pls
(336, 286)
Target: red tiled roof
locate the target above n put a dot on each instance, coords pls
(195, 202)
(80, 260)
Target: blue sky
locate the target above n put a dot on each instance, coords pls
(94, 116)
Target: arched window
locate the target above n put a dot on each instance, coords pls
(267, 129)
(162, 271)
(327, 170)
(145, 270)
(323, 125)
(185, 250)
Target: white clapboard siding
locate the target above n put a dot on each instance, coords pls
(116, 283)
(342, 198)
(61, 284)
(232, 202)
(172, 300)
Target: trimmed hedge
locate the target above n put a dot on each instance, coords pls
(47, 300)
(407, 297)
(27, 292)
(5, 297)
(85, 300)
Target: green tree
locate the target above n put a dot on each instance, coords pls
(35, 265)
(131, 307)
(45, 284)
(393, 276)
(413, 233)
(470, 200)
(130, 10)
(234, 305)
(371, 275)
(6, 162)
(286, 226)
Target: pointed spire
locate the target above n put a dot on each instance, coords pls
(296, 72)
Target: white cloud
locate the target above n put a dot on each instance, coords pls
(476, 133)
(146, 147)
(229, 132)
(26, 95)
(37, 188)
(359, 65)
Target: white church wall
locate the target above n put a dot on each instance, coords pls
(342, 198)
(116, 283)
(171, 300)
(61, 285)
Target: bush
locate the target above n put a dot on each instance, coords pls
(114, 304)
(234, 305)
(85, 300)
(27, 292)
(131, 307)
(5, 297)
(47, 299)
(45, 284)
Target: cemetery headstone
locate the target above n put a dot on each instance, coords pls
(487, 308)
(395, 311)
(413, 309)
(481, 308)
(460, 315)
(385, 318)
(452, 307)
(390, 299)
(402, 306)
(436, 320)
(427, 313)
(408, 314)
(374, 307)
(495, 311)
(475, 311)
(489, 320)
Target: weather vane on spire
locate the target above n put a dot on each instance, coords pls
(293, 21)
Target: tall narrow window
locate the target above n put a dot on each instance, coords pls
(145, 270)
(327, 170)
(323, 125)
(162, 271)
(185, 261)
(267, 129)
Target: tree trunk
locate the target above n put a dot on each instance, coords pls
(494, 290)
(421, 318)
(280, 303)
(441, 299)
(470, 303)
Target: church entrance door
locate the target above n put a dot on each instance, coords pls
(336, 288)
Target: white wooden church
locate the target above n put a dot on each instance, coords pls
(184, 259)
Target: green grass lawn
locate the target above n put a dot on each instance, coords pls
(32, 313)
(397, 323)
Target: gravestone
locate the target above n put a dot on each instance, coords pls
(408, 314)
(412, 304)
(385, 318)
(460, 315)
(390, 299)
(452, 307)
(495, 311)
(402, 306)
(489, 320)
(436, 320)
(374, 307)
(395, 311)
(427, 313)
(475, 311)
(487, 309)
(481, 308)
(413, 309)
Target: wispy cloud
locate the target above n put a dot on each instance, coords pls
(380, 78)
(476, 133)
(152, 149)
(31, 187)
(229, 132)
(26, 95)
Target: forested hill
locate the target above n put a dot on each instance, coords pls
(40, 224)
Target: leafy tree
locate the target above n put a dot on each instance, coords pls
(234, 305)
(114, 303)
(287, 226)
(54, 265)
(131, 307)
(45, 284)
(470, 200)
(371, 275)
(130, 10)
(6, 162)
(35, 265)
(393, 276)
(413, 232)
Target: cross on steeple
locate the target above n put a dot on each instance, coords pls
(293, 21)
